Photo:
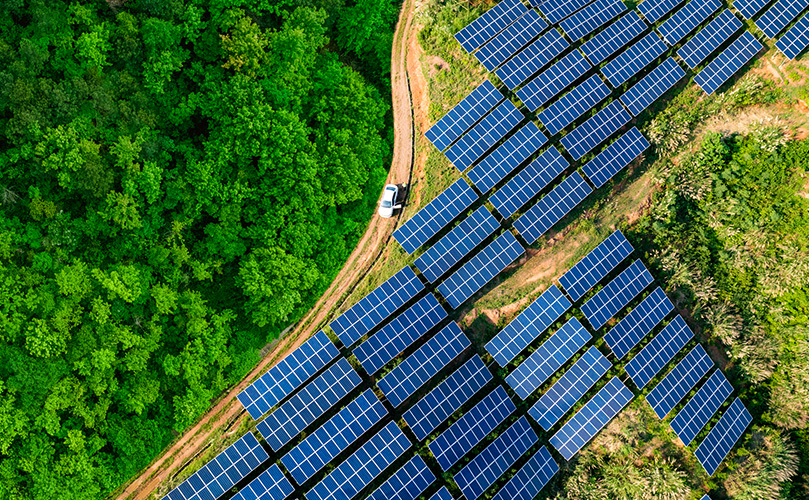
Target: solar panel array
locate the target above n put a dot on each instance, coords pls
(597, 264)
(592, 17)
(532, 59)
(508, 156)
(512, 39)
(685, 20)
(531, 478)
(574, 104)
(615, 157)
(634, 59)
(556, 11)
(617, 294)
(780, 15)
(407, 483)
(795, 40)
(709, 38)
(553, 80)
(723, 436)
(484, 135)
(698, 412)
(749, 8)
(529, 182)
(624, 336)
(465, 114)
(653, 86)
(679, 381)
(595, 130)
(728, 62)
(482, 29)
(442, 494)
(655, 10)
(608, 41)
(270, 485)
(552, 207)
(643, 367)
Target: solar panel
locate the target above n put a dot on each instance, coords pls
(655, 10)
(634, 59)
(462, 436)
(484, 266)
(596, 130)
(728, 62)
(572, 386)
(723, 436)
(685, 20)
(532, 59)
(287, 375)
(795, 40)
(556, 11)
(698, 412)
(529, 182)
(596, 265)
(617, 294)
(528, 325)
(613, 37)
(437, 214)
(512, 39)
(508, 156)
(334, 437)
(280, 426)
(358, 470)
(549, 357)
(442, 494)
(709, 38)
(749, 8)
(653, 86)
(593, 417)
(615, 157)
(465, 114)
(643, 367)
(399, 334)
(590, 18)
(483, 470)
(780, 15)
(270, 485)
(404, 380)
(531, 478)
(447, 397)
(552, 207)
(490, 23)
(553, 80)
(223, 472)
(484, 135)
(624, 336)
(574, 104)
(407, 483)
(679, 381)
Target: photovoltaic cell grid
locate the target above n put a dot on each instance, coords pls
(615, 157)
(592, 17)
(553, 80)
(698, 412)
(643, 367)
(508, 156)
(358, 470)
(377, 306)
(574, 104)
(280, 426)
(780, 15)
(723, 436)
(595, 130)
(728, 62)
(484, 266)
(529, 182)
(484, 135)
(532, 59)
(556, 11)
(634, 59)
(613, 37)
(596, 265)
(552, 207)
(749, 8)
(447, 397)
(492, 462)
(223, 472)
(617, 294)
(652, 86)
(407, 483)
(289, 374)
(270, 485)
(531, 478)
(528, 325)
(574, 384)
(512, 39)
(437, 214)
(709, 38)
(679, 381)
(442, 494)
(462, 436)
(624, 336)
(482, 29)
(593, 417)
(655, 10)
(795, 40)
(465, 114)
(422, 365)
(685, 20)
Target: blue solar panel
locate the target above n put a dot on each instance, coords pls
(399, 334)
(709, 38)
(613, 37)
(490, 23)
(507, 43)
(484, 266)
(442, 494)
(508, 156)
(638, 323)
(654, 10)
(556, 11)
(679, 381)
(749, 8)
(553, 80)
(574, 104)
(685, 20)
(728, 62)
(528, 325)
(566, 392)
(407, 483)
(593, 417)
(404, 380)
(358, 470)
(531, 478)
(465, 114)
(270, 485)
(310, 403)
(596, 265)
(289, 374)
(484, 135)
(780, 15)
(596, 130)
(532, 59)
(223, 472)
(590, 18)
(437, 214)
(698, 412)
(652, 86)
(529, 182)
(634, 59)
(491, 463)
(462, 436)
(617, 294)
(447, 397)
(549, 357)
(615, 157)
(552, 207)
(795, 40)
(651, 359)
(723, 436)
(333, 437)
